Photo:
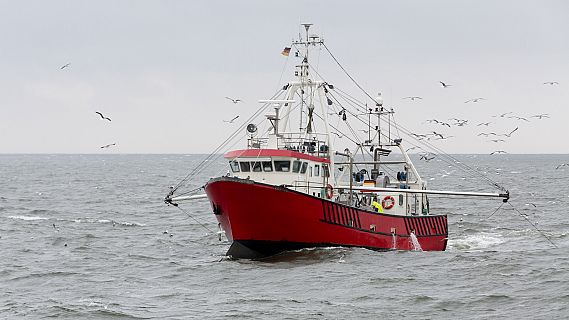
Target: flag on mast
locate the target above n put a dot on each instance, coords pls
(286, 51)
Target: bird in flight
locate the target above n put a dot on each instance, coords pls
(497, 140)
(65, 66)
(231, 121)
(444, 85)
(510, 134)
(460, 122)
(503, 115)
(413, 98)
(108, 145)
(444, 138)
(419, 136)
(233, 100)
(102, 116)
(540, 116)
(487, 134)
(438, 135)
(562, 165)
(410, 149)
(474, 100)
(497, 152)
(551, 83)
(518, 118)
(483, 124)
(426, 156)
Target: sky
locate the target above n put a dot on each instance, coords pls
(161, 69)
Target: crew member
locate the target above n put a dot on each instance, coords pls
(376, 205)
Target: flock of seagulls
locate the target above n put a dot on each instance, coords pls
(497, 137)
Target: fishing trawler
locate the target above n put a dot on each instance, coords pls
(313, 180)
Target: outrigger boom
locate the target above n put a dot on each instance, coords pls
(506, 195)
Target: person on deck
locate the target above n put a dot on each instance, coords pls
(376, 205)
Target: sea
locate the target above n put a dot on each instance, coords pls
(89, 237)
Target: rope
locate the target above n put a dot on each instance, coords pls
(533, 225)
(196, 220)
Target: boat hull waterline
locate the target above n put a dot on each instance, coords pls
(262, 220)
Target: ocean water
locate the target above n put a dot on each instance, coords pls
(88, 237)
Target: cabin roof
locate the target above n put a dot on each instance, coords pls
(273, 153)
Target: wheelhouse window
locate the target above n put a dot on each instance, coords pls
(296, 166)
(234, 166)
(267, 166)
(245, 166)
(325, 170)
(304, 166)
(283, 166)
(317, 170)
(256, 166)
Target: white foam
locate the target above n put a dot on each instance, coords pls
(26, 218)
(476, 242)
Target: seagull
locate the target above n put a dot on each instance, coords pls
(497, 140)
(108, 145)
(543, 115)
(487, 134)
(502, 115)
(339, 135)
(413, 98)
(432, 121)
(65, 66)
(410, 149)
(231, 121)
(519, 118)
(234, 100)
(426, 157)
(438, 134)
(419, 136)
(444, 124)
(444, 85)
(499, 151)
(483, 124)
(443, 138)
(510, 134)
(474, 100)
(460, 122)
(551, 83)
(102, 116)
(561, 165)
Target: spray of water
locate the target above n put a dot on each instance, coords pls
(415, 242)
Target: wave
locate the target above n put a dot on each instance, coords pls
(107, 221)
(27, 218)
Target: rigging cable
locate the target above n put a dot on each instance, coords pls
(406, 131)
(213, 154)
(533, 225)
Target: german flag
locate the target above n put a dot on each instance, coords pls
(286, 51)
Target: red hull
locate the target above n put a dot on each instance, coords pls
(263, 220)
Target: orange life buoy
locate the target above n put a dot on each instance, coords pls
(329, 191)
(388, 202)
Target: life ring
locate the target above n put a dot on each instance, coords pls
(329, 191)
(388, 202)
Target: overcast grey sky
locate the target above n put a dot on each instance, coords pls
(161, 69)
